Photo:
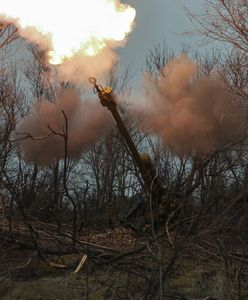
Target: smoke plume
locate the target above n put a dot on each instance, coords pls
(192, 112)
(86, 121)
(80, 67)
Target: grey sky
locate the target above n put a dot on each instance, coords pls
(158, 21)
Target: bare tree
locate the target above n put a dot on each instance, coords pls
(8, 33)
(224, 21)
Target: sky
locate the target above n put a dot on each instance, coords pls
(158, 21)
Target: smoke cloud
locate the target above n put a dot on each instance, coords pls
(80, 67)
(192, 113)
(86, 122)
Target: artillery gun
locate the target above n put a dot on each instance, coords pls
(159, 196)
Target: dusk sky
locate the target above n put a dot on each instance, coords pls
(158, 21)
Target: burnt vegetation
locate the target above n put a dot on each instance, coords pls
(85, 221)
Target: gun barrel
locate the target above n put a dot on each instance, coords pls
(151, 181)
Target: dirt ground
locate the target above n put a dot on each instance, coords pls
(43, 282)
(117, 266)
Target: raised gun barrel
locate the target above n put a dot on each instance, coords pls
(143, 162)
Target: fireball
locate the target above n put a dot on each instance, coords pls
(85, 26)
